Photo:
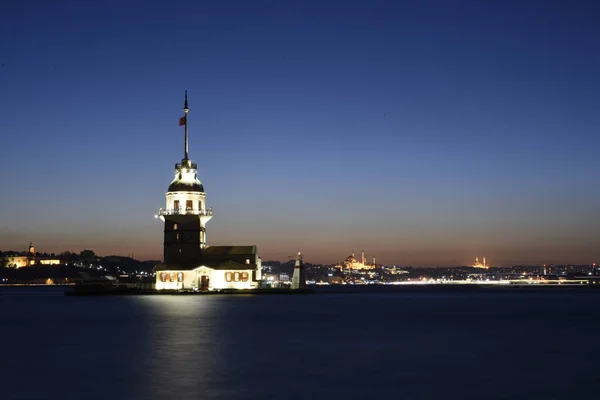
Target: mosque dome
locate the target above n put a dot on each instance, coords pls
(351, 259)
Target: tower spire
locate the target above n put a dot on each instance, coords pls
(185, 110)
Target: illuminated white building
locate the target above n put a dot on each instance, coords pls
(28, 259)
(189, 263)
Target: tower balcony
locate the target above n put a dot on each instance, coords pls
(181, 211)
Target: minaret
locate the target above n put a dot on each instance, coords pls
(363, 259)
(185, 215)
(298, 279)
(374, 263)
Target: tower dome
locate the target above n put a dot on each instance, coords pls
(186, 179)
(180, 186)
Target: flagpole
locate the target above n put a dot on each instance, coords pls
(185, 110)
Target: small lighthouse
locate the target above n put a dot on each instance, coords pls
(298, 279)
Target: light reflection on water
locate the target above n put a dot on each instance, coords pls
(185, 354)
(351, 346)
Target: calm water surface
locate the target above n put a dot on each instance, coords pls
(325, 346)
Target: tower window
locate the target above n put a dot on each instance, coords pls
(178, 236)
(176, 205)
(174, 227)
(188, 205)
(199, 204)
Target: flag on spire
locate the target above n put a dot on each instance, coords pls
(182, 121)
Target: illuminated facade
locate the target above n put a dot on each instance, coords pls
(18, 261)
(188, 262)
(479, 264)
(28, 259)
(351, 263)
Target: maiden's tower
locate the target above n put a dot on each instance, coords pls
(189, 263)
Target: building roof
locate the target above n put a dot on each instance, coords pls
(226, 265)
(222, 251)
(218, 257)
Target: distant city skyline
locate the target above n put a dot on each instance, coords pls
(424, 133)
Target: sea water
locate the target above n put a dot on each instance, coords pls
(363, 345)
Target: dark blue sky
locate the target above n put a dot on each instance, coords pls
(424, 132)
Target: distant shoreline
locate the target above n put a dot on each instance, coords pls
(35, 284)
(338, 289)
